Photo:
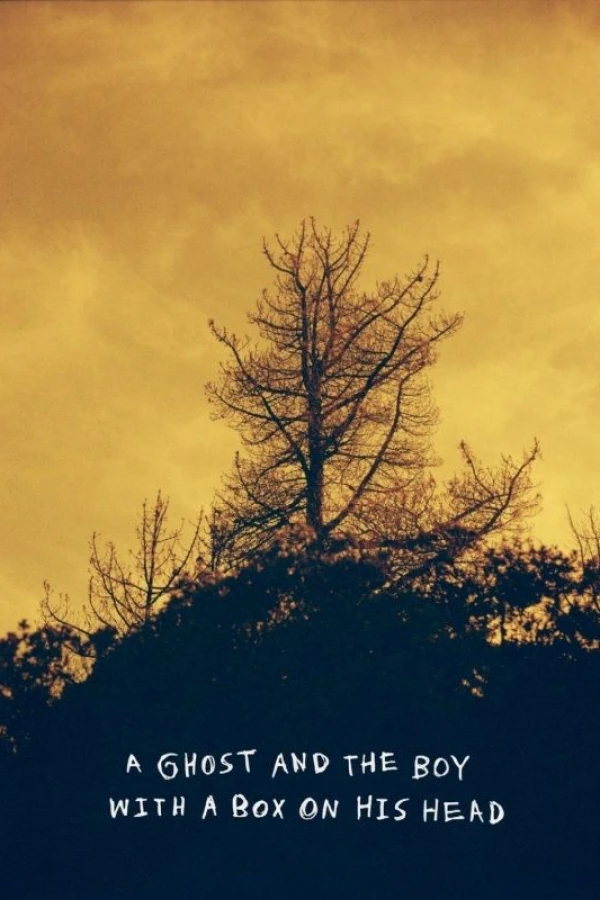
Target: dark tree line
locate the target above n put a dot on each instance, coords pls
(300, 650)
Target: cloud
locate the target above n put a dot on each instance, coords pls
(147, 148)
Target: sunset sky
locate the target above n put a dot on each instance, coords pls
(147, 147)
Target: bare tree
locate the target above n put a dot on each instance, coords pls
(425, 522)
(215, 541)
(333, 406)
(125, 594)
(587, 536)
(586, 533)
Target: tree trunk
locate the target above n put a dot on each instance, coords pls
(314, 493)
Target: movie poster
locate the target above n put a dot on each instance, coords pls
(300, 560)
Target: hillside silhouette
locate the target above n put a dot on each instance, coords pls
(297, 654)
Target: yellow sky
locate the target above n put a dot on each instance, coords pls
(146, 148)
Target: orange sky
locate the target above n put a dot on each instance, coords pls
(146, 148)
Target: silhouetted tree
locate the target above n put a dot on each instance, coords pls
(334, 410)
(125, 594)
(587, 538)
(32, 675)
(514, 593)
